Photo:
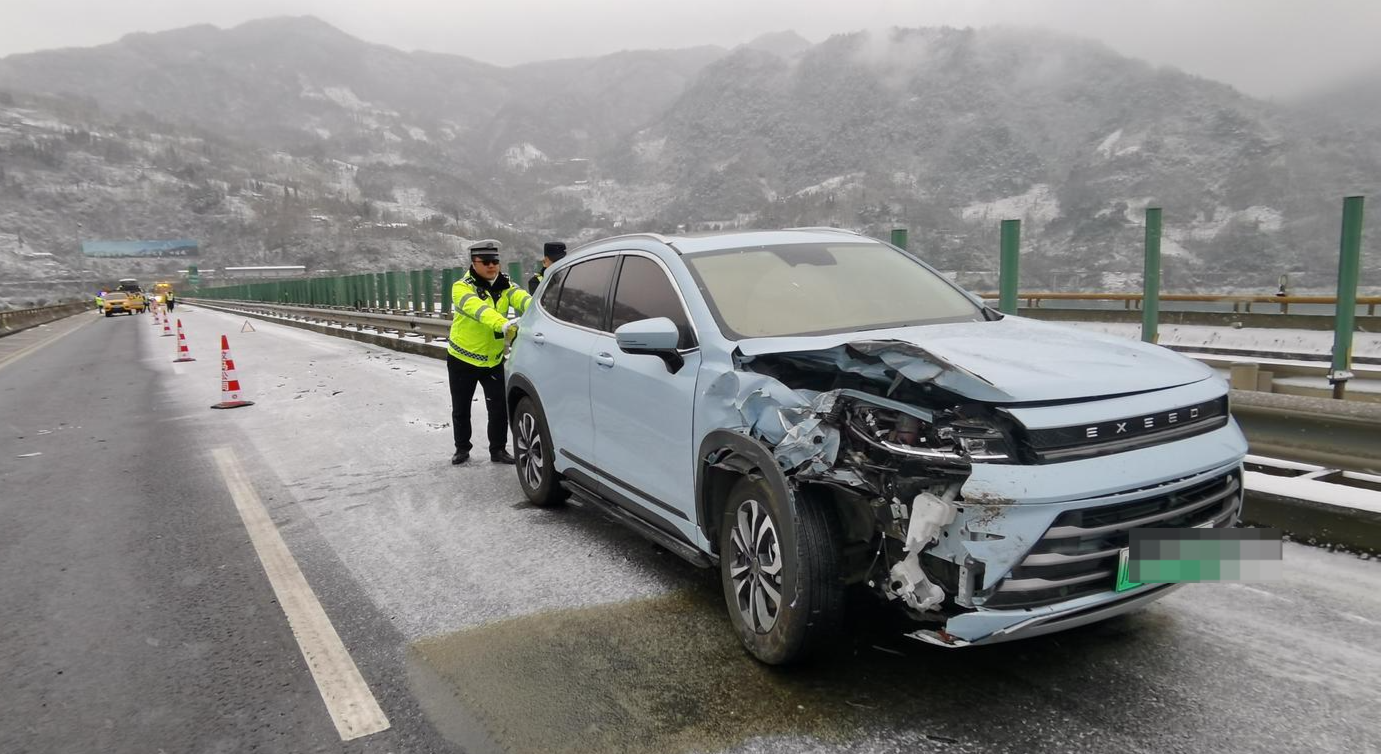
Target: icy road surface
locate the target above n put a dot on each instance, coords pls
(519, 629)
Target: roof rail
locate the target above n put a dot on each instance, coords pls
(658, 237)
(824, 227)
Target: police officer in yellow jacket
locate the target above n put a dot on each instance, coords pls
(481, 299)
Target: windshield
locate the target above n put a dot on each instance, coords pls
(815, 289)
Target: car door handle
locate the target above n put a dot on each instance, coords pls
(539, 338)
(605, 360)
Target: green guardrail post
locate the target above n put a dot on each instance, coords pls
(1150, 279)
(415, 283)
(380, 291)
(1345, 318)
(448, 279)
(391, 278)
(515, 274)
(1008, 276)
(428, 291)
(899, 238)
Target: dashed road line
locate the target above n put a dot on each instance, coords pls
(349, 701)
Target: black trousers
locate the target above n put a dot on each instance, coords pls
(463, 378)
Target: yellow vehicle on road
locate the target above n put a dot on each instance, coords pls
(118, 302)
(162, 291)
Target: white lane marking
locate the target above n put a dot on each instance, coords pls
(26, 350)
(348, 699)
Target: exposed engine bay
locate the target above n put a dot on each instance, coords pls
(869, 425)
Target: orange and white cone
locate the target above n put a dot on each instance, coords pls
(167, 331)
(156, 319)
(230, 384)
(182, 353)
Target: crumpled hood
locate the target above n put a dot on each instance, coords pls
(1012, 360)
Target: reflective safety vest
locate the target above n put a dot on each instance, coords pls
(534, 281)
(477, 327)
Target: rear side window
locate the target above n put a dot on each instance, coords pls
(584, 292)
(552, 293)
(645, 292)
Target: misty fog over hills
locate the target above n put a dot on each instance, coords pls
(286, 141)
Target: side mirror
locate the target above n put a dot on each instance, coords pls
(652, 337)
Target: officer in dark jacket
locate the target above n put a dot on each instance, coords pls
(552, 252)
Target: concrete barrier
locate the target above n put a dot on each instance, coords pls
(14, 320)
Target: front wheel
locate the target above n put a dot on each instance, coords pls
(779, 568)
(534, 455)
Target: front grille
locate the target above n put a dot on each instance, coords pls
(1057, 444)
(1078, 554)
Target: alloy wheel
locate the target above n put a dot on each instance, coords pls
(756, 569)
(528, 443)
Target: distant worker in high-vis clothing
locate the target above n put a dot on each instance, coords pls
(475, 351)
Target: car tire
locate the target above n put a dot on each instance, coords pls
(534, 454)
(109, 314)
(801, 542)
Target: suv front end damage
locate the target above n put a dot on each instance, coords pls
(982, 517)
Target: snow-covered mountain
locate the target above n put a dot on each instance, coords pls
(286, 140)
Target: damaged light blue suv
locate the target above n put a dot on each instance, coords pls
(813, 411)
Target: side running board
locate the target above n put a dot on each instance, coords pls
(667, 542)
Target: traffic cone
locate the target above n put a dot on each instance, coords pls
(230, 384)
(155, 316)
(167, 331)
(182, 353)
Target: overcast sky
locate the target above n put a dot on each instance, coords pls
(1264, 47)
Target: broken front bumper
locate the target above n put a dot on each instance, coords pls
(1038, 545)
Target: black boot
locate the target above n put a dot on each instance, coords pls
(501, 456)
(460, 457)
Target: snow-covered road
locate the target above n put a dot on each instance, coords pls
(525, 629)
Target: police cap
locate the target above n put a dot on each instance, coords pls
(486, 249)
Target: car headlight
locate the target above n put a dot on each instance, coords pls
(955, 442)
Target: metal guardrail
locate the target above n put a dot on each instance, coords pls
(1337, 434)
(430, 327)
(14, 320)
(1133, 300)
